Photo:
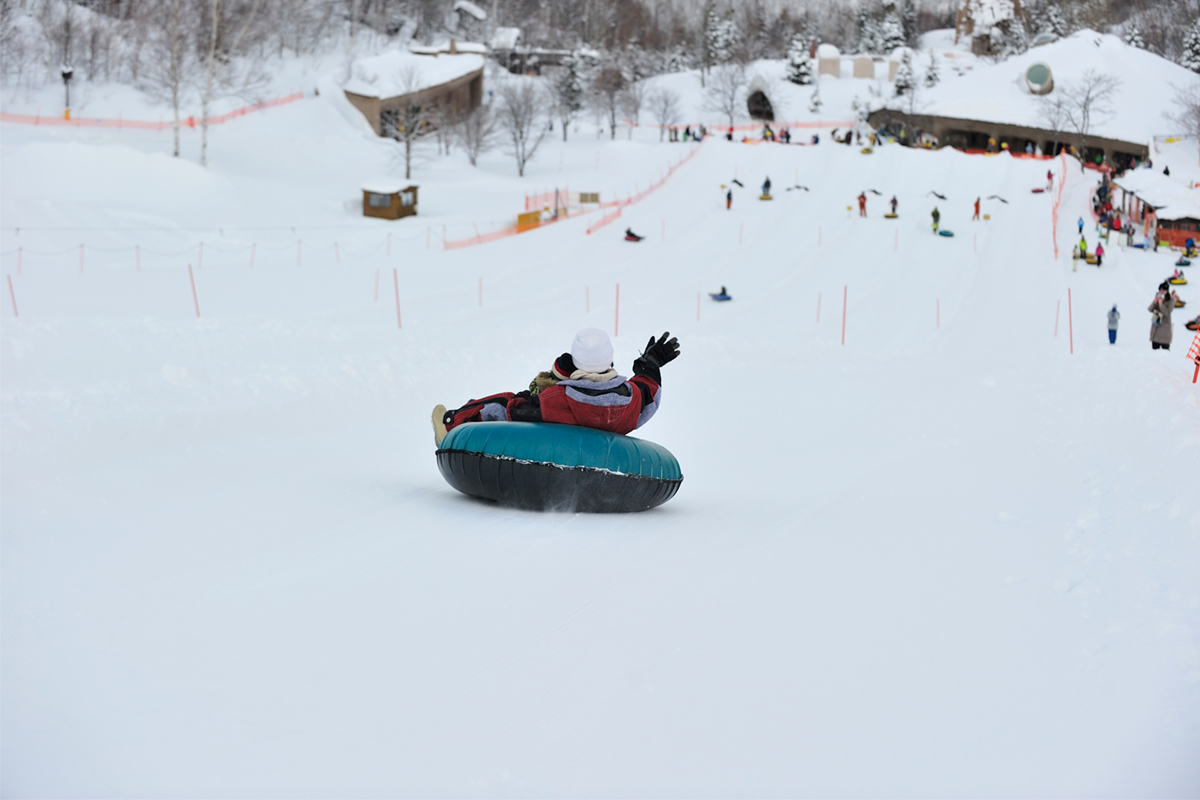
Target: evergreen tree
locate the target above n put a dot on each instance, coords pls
(905, 81)
(814, 102)
(799, 64)
(568, 91)
(723, 38)
(1191, 48)
(1133, 36)
(931, 75)
(1056, 23)
(908, 15)
(890, 32)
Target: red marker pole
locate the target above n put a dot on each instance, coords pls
(396, 283)
(845, 291)
(1070, 322)
(195, 300)
(13, 296)
(617, 316)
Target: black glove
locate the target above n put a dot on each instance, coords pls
(658, 352)
(662, 351)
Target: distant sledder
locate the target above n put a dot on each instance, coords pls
(766, 190)
(630, 236)
(720, 296)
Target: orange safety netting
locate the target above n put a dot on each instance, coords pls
(134, 124)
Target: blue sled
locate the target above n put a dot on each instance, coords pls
(720, 297)
(945, 233)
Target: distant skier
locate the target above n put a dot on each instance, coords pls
(1099, 253)
(1081, 226)
(862, 204)
(937, 216)
(1049, 180)
(728, 199)
(1114, 317)
(893, 202)
(976, 209)
(630, 236)
(767, 187)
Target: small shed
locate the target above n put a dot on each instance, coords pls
(829, 61)
(864, 67)
(389, 200)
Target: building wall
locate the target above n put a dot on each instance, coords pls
(830, 66)
(976, 133)
(462, 94)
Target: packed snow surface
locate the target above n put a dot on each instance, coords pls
(947, 557)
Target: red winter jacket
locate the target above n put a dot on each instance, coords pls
(619, 405)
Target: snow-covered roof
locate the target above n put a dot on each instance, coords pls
(387, 185)
(505, 38)
(397, 73)
(828, 51)
(443, 48)
(468, 7)
(1171, 198)
(997, 93)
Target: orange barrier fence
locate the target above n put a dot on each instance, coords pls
(619, 204)
(134, 124)
(607, 218)
(1062, 180)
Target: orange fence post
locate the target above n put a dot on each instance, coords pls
(195, 299)
(12, 295)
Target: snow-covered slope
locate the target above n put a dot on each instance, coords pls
(947, 557)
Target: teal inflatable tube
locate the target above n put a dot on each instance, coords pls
(548, 467)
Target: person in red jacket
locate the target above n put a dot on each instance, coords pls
(581, 388)
(862, 204)
(976, 209)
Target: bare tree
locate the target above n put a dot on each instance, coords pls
(477, 132)
(521, 117)
(724, 91)
(606, 91)
(409, 122)
(1187, 109)
(664, 106)
(170, 65)
(631, 100)
(218, 66)
(1087, 103)
(1052, 108)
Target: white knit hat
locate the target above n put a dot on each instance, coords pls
(592, 351)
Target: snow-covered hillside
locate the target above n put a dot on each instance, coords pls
(947, 557)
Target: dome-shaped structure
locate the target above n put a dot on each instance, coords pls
(758, 102)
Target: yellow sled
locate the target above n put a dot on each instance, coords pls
(765, 197)
(1091, 259)
(1181, 281)
(867, 151)
(890, 216)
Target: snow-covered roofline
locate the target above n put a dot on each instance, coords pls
(467, 7)
(387, 186)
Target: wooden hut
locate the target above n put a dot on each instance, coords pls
(389, 200)
(441, 85)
